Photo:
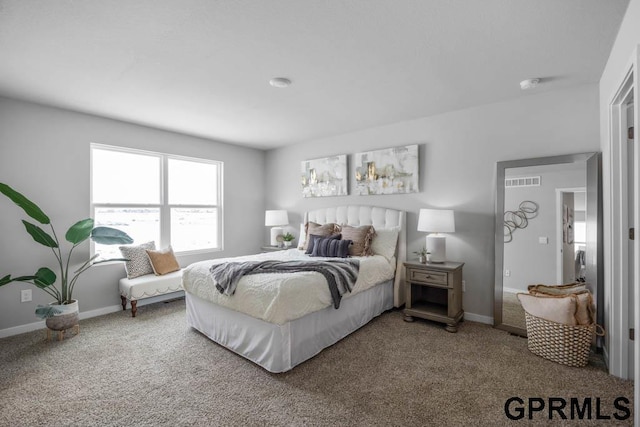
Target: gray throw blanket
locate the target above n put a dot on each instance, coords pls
(341, 275)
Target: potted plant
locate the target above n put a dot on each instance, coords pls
(422, 255)
(63, 311)
(287, 238)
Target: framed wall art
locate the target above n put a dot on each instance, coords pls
(388, 171)
(325, 177)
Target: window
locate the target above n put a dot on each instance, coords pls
(154, 196)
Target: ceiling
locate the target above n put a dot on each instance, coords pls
(202, 67)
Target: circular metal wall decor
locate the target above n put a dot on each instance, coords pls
(519, 218)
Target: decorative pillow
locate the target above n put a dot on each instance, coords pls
(361, 237)
(585, 311)
(138, 264)
(319, 230)
(569, 288)
(313, 239)
(555, 309)
(163, 261)
(331, 247)
(384, 242)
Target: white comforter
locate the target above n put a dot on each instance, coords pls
(280, 297)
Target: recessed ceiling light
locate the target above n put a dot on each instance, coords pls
(529, 84)
(279, 82)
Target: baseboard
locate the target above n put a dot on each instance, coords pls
(17, 330)
(478, 318)
(513, 290)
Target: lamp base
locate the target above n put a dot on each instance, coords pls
(275, 232)
(436, 246)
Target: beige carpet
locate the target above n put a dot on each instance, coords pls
(154, 371)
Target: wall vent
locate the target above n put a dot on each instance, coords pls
(523, 181)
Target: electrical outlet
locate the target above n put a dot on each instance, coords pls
(464, 286)
(25, 295)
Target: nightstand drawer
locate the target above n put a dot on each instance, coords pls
(435, 277)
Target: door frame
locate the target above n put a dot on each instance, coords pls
(617, 257)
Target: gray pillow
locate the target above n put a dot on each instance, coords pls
(328, 247)
(138, 264)
(313, 238)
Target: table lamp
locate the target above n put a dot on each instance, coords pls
(436, 221)
(276, 219)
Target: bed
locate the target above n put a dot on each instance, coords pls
(280, 320)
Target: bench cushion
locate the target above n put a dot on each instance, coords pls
(150, 285)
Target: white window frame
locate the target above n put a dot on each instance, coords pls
(164, 206)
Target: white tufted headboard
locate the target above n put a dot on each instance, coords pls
(380, 218)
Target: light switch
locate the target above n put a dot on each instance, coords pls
(507, 273)
(543, 240)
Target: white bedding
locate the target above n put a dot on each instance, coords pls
(276, 298)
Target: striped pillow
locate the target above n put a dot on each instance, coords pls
(313, 238)
(330, 247)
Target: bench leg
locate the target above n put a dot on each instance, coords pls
(134, 308)
(124, 303)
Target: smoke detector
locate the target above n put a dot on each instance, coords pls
(280, 82)
(529, 84)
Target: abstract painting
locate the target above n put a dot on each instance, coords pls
(325, 177)
(389, 171)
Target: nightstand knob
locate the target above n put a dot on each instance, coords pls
(428, 276)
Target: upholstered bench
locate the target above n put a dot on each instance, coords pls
(148, 285)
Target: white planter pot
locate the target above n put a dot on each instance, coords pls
(287, 244)
(66, 319)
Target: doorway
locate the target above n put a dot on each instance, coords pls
(621, 351)
(571, 235)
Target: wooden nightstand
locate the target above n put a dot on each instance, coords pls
(434, 292)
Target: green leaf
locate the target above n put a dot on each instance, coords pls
(80, 231)
(39, 235)
(8, 279)
(45, 312)
(27, 205)
(45, 277)
(110, 236)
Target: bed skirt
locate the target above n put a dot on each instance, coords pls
(278, 348)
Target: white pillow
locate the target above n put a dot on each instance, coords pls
(384, 242)
(303, 237)
(556, 309)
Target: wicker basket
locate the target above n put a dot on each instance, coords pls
(565, 344)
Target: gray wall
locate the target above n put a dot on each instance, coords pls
(458, 155)
(44, 153)
(528, 261)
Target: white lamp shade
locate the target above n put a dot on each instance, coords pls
(276, 218)
(436, 221)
